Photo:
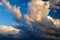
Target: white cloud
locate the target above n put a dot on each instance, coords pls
(8, 5)
(16, 11)
(0, 3)
(38, 17)
(37, 12)
(56, 22)
(9, 30)
(28, 19)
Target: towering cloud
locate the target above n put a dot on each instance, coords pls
(37, 21)
(37, 12)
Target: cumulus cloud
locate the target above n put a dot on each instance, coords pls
(54, 21)
(40, 18)
(42, 25)
(16, 11)
(8, 5)
(28, 19)
(37, 12)
(57, 22)
(9, 30)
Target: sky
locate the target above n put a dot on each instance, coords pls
(29, 18)
(6, 17)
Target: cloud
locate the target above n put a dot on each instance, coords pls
(28, 19)
(16, 11)
(55, 4)
(42, 25)
(57, 22)
(54, 21)
(0, 3)
(8, 5)
(37, 12)
(8, 30)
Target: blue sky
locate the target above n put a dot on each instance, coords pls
(6, 17)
